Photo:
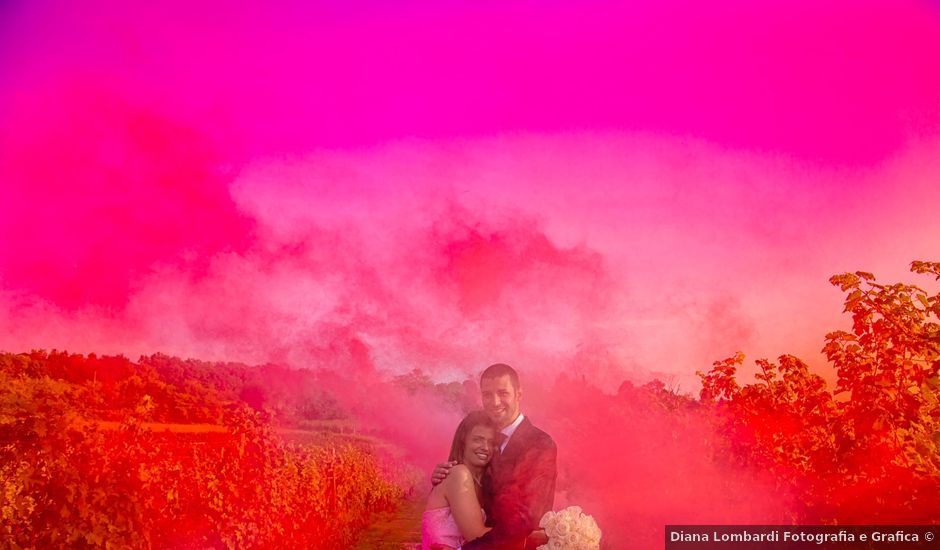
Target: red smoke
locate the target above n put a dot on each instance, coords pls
(637, 459)
(99, 191)
(164, 189)
(643, 458)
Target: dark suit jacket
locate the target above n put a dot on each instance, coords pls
(518, 488)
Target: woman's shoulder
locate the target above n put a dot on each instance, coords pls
(460, 472)
(459, 477)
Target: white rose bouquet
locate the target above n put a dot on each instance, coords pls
(570, 529)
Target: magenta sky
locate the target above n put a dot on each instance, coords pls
(612, 188)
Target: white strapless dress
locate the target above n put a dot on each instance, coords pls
(438, 527)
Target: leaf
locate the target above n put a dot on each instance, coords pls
(844, 281)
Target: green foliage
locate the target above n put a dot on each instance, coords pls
(463, 397)
(870, 451)
(69, 481)
(183, 391)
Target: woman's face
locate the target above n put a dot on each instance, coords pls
(480, 446)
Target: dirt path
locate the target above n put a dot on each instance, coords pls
(398, 530)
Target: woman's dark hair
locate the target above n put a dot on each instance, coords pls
(472, 420)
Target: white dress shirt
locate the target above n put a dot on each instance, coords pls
(509, 430)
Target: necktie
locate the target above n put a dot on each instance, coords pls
(502, 438)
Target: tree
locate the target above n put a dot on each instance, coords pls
(870, 450)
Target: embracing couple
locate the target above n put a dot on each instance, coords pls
(499, 478)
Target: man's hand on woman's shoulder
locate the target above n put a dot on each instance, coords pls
(441, 471)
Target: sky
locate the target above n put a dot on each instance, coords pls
(616, 190)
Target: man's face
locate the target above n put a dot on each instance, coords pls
(500, 399)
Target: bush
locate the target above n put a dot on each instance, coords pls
(65, 482)
(873, 454)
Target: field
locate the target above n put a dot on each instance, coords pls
(167, 453)
(72, 478)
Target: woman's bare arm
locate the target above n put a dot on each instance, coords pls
(461, 496)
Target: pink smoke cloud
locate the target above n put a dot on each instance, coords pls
(602, 191)
(662, 266)
(99, 190)
(840, 82)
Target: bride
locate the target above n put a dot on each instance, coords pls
(453, 514)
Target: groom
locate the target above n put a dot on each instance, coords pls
(519, 486)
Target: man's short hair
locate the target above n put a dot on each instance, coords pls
(501, 369)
